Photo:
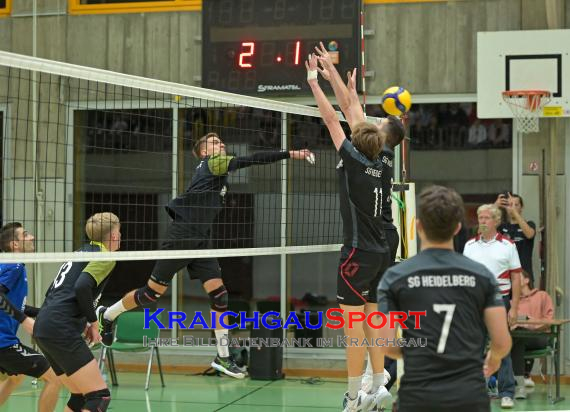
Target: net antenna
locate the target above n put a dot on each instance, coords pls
(526, 106)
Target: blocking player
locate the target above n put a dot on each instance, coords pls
(193, 213)
(365, 254)
(460, 298)
(69, 310)
(18, 360)
(349, 103)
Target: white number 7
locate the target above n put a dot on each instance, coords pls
(448, 309)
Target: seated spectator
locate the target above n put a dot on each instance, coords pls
(534, 304)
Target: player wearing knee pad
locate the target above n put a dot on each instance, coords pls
(76, 402)
(219, 299)
(97, 401)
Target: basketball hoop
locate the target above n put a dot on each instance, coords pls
(526, 106)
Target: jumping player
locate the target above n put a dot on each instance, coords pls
(193, 213)
(365, 253)
(349, 103)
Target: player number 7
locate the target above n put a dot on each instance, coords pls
(448, 309)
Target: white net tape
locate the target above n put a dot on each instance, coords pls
(526, 107)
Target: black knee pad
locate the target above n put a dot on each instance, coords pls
(219, 299)
(146, 296)
(97, 401)
(76, 402)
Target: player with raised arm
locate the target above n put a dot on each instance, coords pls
(460, 298)
(193, 213)
(365, 253)
(69, 310)
(18, 360)
(349, 103)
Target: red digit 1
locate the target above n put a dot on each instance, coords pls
(297, 52)
(249, 53)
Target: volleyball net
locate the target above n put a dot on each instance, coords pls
(79, 140)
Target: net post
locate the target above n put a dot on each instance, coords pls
(174, 165)
(283, 235)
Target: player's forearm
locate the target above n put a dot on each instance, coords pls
(84, 296)
(325, 107)
(394, 352)
(10, 309)
(259, 158)
(528, 231)
(500, 348)
(339, 88)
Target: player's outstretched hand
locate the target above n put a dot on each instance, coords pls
(312, 68)
(491, 365)
(323, 71)
(351, 80)
(304, 154)
(28, 325)
(324, 56)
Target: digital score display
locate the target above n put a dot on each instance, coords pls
(259, 47)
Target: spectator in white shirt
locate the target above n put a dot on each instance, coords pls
(500, 256)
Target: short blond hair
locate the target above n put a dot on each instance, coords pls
(100, 225)
(368, 139)
(493, 209)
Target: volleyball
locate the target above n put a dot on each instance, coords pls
(396, 100)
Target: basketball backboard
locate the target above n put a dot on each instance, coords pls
(527, 60)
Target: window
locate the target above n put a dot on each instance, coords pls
(123, 164)
(5, 7)
(455, 126)
(131, 6)
(450, 146)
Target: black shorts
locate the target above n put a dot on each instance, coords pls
(19, 359)
(359, 273)
(203, 269)
(176, 239)
(65, 355)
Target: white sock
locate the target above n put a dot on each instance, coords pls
(222, 342)
(368, 367)
(115, 310)
(354, 386)
(377, 381)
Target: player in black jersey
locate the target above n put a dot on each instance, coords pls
(349, 104)
(460, 297)
(193, 213)
(69, 310)
(365, 254)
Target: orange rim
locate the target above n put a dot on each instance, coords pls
(515, 93)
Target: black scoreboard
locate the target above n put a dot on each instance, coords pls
(259, 47)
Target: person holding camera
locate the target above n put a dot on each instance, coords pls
(516, 228)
